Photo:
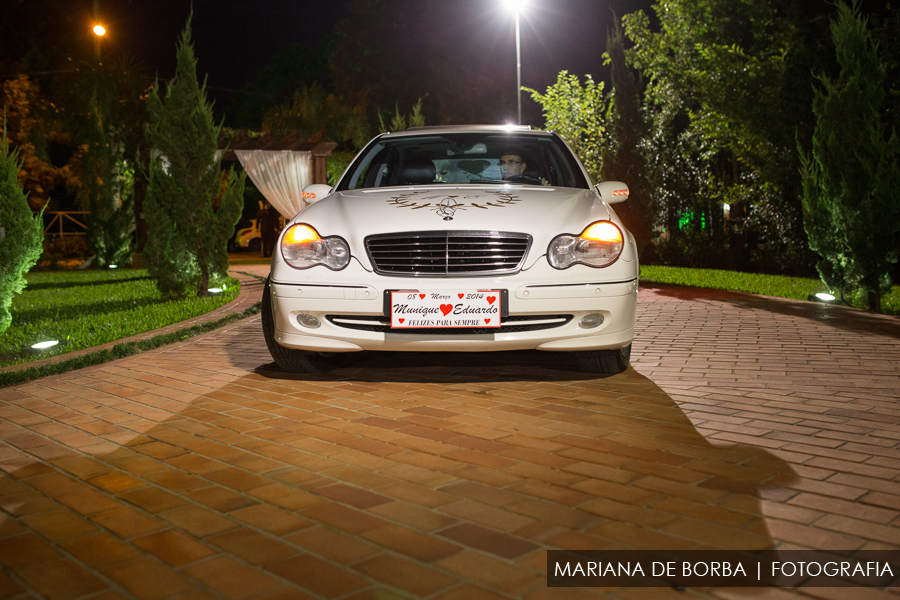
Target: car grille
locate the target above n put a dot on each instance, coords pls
(448, 253)
(515, 324)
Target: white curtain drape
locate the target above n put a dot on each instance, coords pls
(280, 175)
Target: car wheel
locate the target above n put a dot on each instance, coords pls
(608, 362)
(290, 360)
(254, 245)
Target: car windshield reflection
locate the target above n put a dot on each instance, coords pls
(477, 159)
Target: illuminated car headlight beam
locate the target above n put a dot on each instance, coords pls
(302, 247)
(599, 245)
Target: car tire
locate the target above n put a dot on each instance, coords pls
(608, 362)
(254, 245)
(289, 360)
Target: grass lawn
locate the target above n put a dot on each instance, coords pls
(90, 308)
(779, 286)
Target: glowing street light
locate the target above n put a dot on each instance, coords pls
(516, 6)
(99, 32)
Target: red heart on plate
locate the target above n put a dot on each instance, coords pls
(491, 299)
(487, 320)
(446, 308)
(421, 295)
(401, 320)
(460, 296)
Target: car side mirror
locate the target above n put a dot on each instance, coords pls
(612, 192)
(315, 192)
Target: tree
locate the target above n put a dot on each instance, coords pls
(389, 51)
(850, 182)
(315, 109)
(186, 245)
(376, 61)
(107, 114)
(32, 124)
(580, 115)
(107, 191)
(21, 234)
(724, 78)
(622, 158)
(295, 65)
(402, 122)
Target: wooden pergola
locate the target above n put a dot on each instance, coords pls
(296, 141)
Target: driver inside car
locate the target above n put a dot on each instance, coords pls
(511, 165)
(512, 168)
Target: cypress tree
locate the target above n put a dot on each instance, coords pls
(850, 202)
(191, 209)
(21, 233)
(105, 109)
(108, 193)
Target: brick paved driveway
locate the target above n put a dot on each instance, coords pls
(197, 471)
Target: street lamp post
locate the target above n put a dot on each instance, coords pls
(516, 7)
(518, 71)
(99, 30)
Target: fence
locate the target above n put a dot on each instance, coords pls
(66, 223)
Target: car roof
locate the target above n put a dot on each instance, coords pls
(432, 129)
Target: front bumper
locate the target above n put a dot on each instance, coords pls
(355, 292)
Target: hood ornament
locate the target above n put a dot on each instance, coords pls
(447, 208)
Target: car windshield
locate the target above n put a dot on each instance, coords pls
(465, 158)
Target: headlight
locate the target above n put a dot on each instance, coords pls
(598, 246)
(302, 248)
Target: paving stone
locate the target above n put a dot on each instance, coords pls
(405, 574)
(270, 518)
(252, 546)
(319, 577)
(494, 542)
(26, 550)
(475, 567)
(62, 579)
(174, 547)
(148, 579)
(58, 524)
(419, 546)
(334, 545)
(231, 578)
(127, 522)
(100, 550)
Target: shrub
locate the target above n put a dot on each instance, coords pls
(850, 181)
(191, 209)
(20, 231)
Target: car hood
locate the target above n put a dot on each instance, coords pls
(542, 212)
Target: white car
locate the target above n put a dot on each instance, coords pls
(249, 237)
(469, 239)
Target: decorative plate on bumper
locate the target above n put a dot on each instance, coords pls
(445, 309)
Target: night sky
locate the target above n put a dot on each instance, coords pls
(234, 39)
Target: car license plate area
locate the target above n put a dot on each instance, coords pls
(442, 309)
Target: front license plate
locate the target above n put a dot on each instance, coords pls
(433, 309)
